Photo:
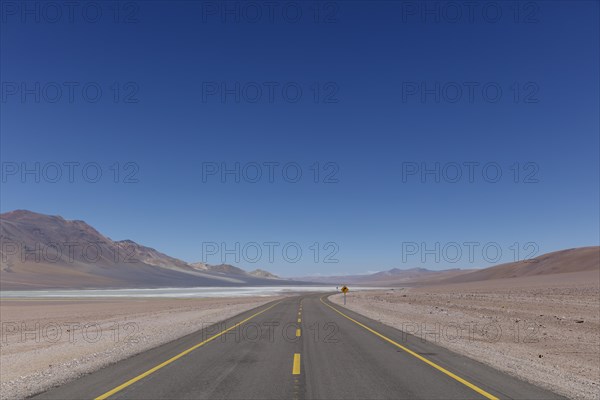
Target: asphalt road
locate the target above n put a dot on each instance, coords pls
(298, 348)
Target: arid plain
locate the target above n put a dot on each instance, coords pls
(47, 342)
(544, 329)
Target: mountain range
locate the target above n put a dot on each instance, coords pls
(41, 251)
(564, 261)
(395, 276)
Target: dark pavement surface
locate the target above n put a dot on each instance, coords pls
(338, 359)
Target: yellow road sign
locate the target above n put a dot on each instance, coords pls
(345, 289)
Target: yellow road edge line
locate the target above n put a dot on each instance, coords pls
(178, 356)
(420, 357)
(296, 367)
(298, 332)
(299, 320)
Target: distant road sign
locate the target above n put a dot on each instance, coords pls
(345, 289)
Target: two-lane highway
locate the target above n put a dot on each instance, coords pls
(298, 348)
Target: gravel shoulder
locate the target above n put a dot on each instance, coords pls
(545, 330)
(49, 342)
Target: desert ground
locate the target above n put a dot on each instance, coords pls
(47, 342)
(543, 329)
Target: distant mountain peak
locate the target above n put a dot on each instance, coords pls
(261, 273)
(39, 219)
(22, 214)
(405, 272)
(128, 241)
(227, 269)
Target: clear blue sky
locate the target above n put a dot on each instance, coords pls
(365, 63)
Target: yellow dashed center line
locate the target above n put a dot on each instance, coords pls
(296, 363)
(296, 366)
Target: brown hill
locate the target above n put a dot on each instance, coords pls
(558, 262)
(261, 273)
(226, 269)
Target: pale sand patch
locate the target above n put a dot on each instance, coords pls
(49, 353)
(507, 324)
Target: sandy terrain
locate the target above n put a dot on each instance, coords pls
(542, 329)
(41, 347)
